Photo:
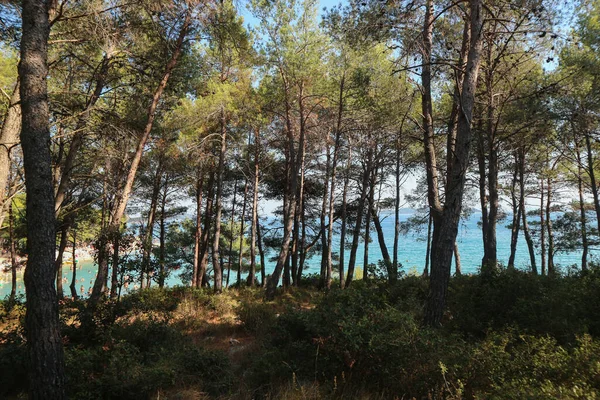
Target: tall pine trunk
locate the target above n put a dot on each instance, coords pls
(44, 342)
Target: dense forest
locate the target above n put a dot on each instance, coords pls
(201, 157)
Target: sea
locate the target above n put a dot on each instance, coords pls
(411, 254)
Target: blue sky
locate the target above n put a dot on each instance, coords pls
(249, 20)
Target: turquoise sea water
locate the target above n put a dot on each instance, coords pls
(411, 254)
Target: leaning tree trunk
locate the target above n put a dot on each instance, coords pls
(46, 360)
(542, 227)
(583, 216)
(446, 230)
(121, 203)
(9, 138)
(74, 276)
(357, 226)
(592, 174)
(549, 226)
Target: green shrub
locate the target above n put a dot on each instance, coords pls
(256, 317)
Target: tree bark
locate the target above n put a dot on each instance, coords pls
(44, 342)
(241, 254)
(592, 175)
(13, 255)
(254, 224)
(343, 216)
(208, 215)
(446, 230)
(542, 227)
(74, 276)
(516, 215)
(198, 230)
(526, 232)
(325, 276)
(9, 138)
(583, 216)
(357, 226)
(231, 222)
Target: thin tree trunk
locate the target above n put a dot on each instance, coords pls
(254, 226)
(114, 282)
(149, 233)
(230, 256)
(516, 216)
(292, 185)
(336, 149)
(163, 234)
(392, 272)
(240, 257)
(263, 280)
(9, 138)
(58, 263)
(428, 250)
(549, 227)
(368, 222)
(457, 263)
(542, 227)
(44, 342)
(357, 226)
(208, 215)
(526, 232)
(198, 230)
(583, 217)
(343, 217)
(325, 276)
(592, 175)
(74, 276)
(121, 202)
(13, 254)
(217, 271)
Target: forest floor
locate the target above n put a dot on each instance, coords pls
(507, 336)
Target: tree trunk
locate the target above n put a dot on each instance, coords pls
(9, 138)
(120, 203)
(292, 186)
(58, 263)
(231, 222)
(526, 232)
(391, 270)
(551, 270)
(198, 230)
(162, 236)
(368, 221)
(208, 215)
(44, 342)
(254, 226)
(263, 280)
(357, 226)
(457, 264)
(445, 232)
(516, 216)
(114, 282)
(74, 276)
(325, 276)
(583, 217)
(428, 250)
(241, 254)
(592, 175)
(149, 233)
(218, 273)
(13, 255)
(343, 216)
(542, 227)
